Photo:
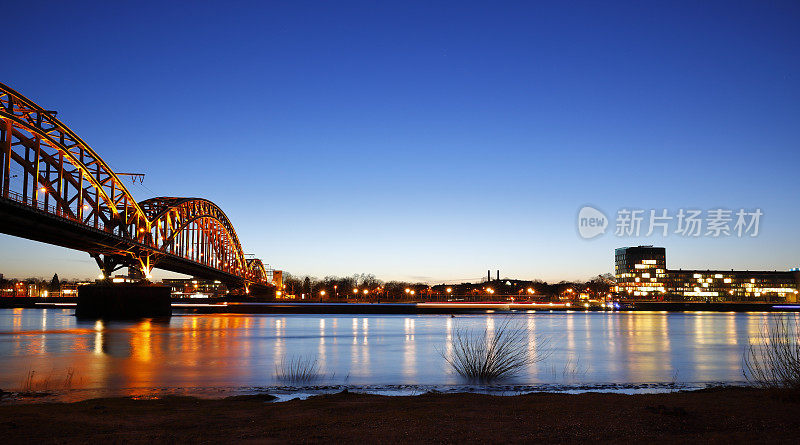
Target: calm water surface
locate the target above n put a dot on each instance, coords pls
(236, 351)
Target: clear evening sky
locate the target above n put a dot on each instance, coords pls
(429, 140)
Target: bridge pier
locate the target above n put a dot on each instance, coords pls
(108, 264)
(123, 301)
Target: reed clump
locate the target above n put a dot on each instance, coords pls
(299, 369)
(485, 356)
(34, 383)
(772, 360)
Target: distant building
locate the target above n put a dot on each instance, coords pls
(642, 273)
(276, 277)
(194, 287)
(70, 289)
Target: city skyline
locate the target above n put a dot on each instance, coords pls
(451, 141)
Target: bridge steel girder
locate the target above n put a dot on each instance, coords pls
(103, 189)
(68, 196)
(173, 218)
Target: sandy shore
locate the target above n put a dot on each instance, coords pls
(715, 415)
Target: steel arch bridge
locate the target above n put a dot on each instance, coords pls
(61, 192)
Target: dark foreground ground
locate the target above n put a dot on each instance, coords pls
(726, 415)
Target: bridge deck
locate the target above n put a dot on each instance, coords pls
(23, 221)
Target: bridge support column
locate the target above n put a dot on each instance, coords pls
(108, 264)
(145, 263)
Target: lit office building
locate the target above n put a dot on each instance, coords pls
(640, 271)
(642, 274)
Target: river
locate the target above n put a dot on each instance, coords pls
(49, 350)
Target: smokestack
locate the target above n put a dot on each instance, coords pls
(498, 274)
(489, 275)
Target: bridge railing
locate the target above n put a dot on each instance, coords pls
(31, 201)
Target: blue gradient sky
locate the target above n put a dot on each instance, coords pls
(429, 140)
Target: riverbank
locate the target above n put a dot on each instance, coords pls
(716, 415)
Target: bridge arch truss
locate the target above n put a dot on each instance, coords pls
(51, 174)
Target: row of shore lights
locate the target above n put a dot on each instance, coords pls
(366, 291)
(489, 290)
(412, 291)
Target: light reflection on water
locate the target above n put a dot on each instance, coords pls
(242, 350)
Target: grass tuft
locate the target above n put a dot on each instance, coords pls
(298, 370)
(36, 383)
(484, 357)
